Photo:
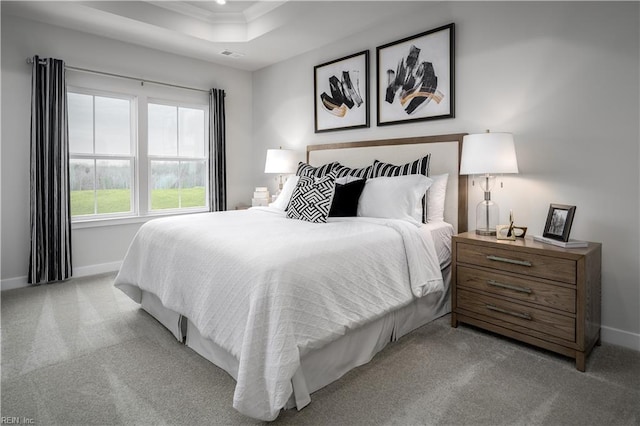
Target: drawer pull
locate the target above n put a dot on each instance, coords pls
(504, 311)
(509, 286)
(506, 260)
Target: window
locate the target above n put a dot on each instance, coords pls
(101, 160)
(177, 157)
(130, 156)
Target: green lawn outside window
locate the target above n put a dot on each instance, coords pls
(118, 200)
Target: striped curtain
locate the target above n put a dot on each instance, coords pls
(217, 148)
(50, 215)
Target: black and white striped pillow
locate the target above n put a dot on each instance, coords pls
(305, 169)
(342, 171)
(418, 167)
(311, 200)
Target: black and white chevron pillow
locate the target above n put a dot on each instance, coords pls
(311, 200)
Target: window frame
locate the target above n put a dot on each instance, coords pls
(132, 157)
(178, 158)
(141, 162)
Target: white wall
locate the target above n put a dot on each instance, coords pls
(563, 77)
(101, 248)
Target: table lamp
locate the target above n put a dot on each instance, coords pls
(280, 161)
(488, 154)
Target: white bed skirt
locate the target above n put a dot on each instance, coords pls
(172, 320)
(327, 364)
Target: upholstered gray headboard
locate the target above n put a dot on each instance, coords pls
(445, 153)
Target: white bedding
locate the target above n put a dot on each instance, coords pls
(269, 289)
(441, 233)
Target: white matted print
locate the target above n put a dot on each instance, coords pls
(341, 93)
(415, 77)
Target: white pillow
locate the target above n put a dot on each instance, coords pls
(347, 179)
(285, 195)
(393, 197)
(436, 198)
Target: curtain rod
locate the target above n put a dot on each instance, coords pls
(141, 80)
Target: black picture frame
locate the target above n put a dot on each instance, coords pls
(559, 221)
(341, 93)
(401, 99)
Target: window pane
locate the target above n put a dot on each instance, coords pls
(192, 184)
(81, 181)
(113, 186)
(80, 110)
(163, 130)
(113, 126)
(191, 132)
(164, 185)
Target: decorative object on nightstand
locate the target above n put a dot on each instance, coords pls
(260, 197)
(510, 232)
(282, 162)
(516, 231)
(488, 154)
(520, 231)
(558, 227)
(539, 294)
(505, 232)
(559, 220)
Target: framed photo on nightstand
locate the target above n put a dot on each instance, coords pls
(559, 220)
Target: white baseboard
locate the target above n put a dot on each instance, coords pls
(620, 338)
(85, 271)
(12, 283)
(82, 271)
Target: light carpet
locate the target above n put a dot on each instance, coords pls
(81, 352)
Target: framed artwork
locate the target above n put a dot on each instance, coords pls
(341, 93)
(559, 220)
(415, 77)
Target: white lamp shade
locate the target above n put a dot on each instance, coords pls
(488, 153)
(281, 161)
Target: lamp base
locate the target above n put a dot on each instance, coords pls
(487, 214)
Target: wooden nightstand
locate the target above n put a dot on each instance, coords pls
(540, 294)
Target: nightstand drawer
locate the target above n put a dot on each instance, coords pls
(506, 313)
(541, 293)
(553, 268)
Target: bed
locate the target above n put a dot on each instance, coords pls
(291, 306)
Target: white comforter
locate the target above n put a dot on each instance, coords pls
(268, 289)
